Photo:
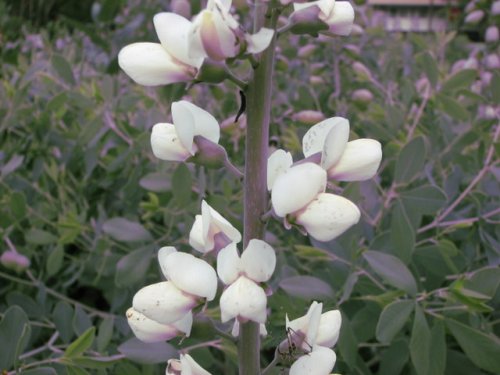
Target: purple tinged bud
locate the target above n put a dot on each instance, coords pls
(14, 261)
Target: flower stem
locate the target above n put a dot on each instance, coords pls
(256, 150)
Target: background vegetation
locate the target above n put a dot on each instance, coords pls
(85, 200)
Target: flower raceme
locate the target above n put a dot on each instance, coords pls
(177, 141)
(244, 299)
(211, 231)
(170, 61)
(160, 311)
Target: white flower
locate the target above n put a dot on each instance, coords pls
(345, 161)
(328, 216)
(216, 34)
(189, 274)
(176, 142)
(153, 64)
(297, 187)
(185, 365)
(338, 15)
(211, 231)
(320, 361)
(278, 163)
(315, 328)
(244, 298)
(148, 330)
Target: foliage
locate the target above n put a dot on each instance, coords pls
(83, 198)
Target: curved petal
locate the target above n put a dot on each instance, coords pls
(163, 302)
(328, 216)
(196, 239)
(218, 40)
(184, 124)
(318, 362)
(173, 31)
(228, 264)
(166, 144)
(190, 367)
(258, 42)
(305, 329)
(190, 274)
(244, 299)
(258, 261)
(214, 223)
(163, 253)
(279, 162)
(204, 123)
(341, 19)
(297, 187)
(315, 138)
(359, 162)
(148, 330)
(335, 142)
(149, 64)
(329, 328)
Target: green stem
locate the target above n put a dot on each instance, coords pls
(256, 150)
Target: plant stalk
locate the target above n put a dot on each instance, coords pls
(256, 150)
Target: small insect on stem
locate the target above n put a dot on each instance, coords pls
(243, 106)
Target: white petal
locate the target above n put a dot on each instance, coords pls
(326, 6)
(149, 64)
(304, 5)
(258, 261)
(228, 264)
(278, 163)
(258, 42)
(329, 328)
(218, 40)
(318, 362)
(359, 162)
(214, 223)
(166, 144)
(244, 299)
(328, 216)
(163, 302)
(196, 239)
(190, 274)
(164, 252)
(204, 123)
(341, 19)
(297, 187)
(190, 367)
(315, 138)
(173, 30)
(335, 142)
(148, 330)
(305, 329)
(184, 123)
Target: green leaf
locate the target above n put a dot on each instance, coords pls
(452, 107)
(394, 358)
(157, 182)
(81, 344)
(71, 370)
(437, 359)
(410, 161)
(62, 317)
(105, 333)
(392, 319)
(420, 343)
(132, 267)
(122, 229)
(348, 343)
(18, 205)
(63, 69)
(181, 185)
(484, 281)
(147, 353)
(426, 199)
(39, 237)
(482, 349)
(40, 371)
(55, 260)
(14, 330)
(495, 88)
(89, 362)
(463, 78)
(402, 233)
(428, 64)
(306, 287)
(392, 270)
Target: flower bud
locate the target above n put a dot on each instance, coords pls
(492, 61)
(309, 117)
(492, 34)
(362, 71)
(209, 154)
(306, 51)
(14, 261)
(337, 15)
(474, 17)
(307, 21)
(495, 8)
(362, 95)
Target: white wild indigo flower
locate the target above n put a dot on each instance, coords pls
(177, 141)
(338, 15)
(185, 365)
(189, 281)
(244, 299)
(211, 231)
(345, 161)
(153, 64)
(319, 361)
